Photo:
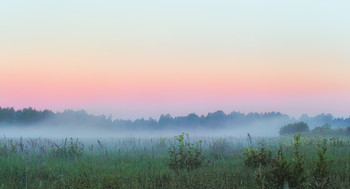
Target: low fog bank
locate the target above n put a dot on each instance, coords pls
(44, 132)
(263, 128)
(36, 123)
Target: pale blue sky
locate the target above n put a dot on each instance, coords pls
(249, 55)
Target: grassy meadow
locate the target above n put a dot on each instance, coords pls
(178, 162)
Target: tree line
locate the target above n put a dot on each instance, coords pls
(218, 119)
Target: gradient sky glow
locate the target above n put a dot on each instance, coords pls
(137, 59)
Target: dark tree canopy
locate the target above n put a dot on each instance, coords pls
(218, 119)
(294, 128)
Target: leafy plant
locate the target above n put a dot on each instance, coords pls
(184, 154)
(297, 178)
(280, 170)
(277, 172)
(321, 176)
(256, 157)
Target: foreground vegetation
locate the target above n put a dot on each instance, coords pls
(180, 162)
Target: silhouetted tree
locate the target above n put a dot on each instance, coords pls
(27, 116)
(294, 128)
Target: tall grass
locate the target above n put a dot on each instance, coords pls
(146, 163)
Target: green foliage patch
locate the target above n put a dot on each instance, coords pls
(180, 162)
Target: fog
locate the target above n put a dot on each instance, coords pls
(257, 128)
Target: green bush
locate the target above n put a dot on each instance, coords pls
(280, 171)
(277, 172)
(294, 128)
(321, 177)
(184, 154)
(256, 157)
(297, 176)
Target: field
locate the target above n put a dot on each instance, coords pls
(178, 162)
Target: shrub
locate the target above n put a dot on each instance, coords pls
(280, 170)
(321, 177)
(297, 177)
(294, 128)
(277, 172)
(184, 154)
(256, 157)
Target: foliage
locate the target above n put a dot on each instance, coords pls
(257, 157)
(297, 176)
(144, 163)
(72, 150)
(29, 116)
(321, 178)
(184, 154)
(293, 128)
(277, 171)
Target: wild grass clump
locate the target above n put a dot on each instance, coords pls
(218, 148)
(72, 150)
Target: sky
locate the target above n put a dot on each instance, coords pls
(133, 59)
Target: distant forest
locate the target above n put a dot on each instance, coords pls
(218, 119)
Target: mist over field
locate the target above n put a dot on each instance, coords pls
(194, 94)
(63, 131)
(34, 123)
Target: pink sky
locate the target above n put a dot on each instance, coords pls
(159, 58)
(238, 82)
